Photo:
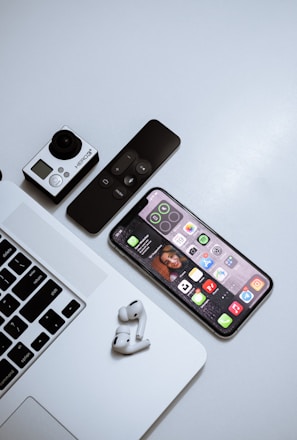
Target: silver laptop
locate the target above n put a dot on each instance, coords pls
(59, 302)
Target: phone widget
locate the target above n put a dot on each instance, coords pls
(133, 241)
(164, 217)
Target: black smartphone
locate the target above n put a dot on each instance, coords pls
(199, 268)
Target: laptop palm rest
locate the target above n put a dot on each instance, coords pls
(32, 422)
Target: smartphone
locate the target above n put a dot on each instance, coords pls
(205, 273)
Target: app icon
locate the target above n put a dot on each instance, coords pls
(209, 286)
(195, 274)
(257, 284)
(235, 308)
(217, 250)
(192, 250)
(206, 262)
(203, 239)
(225, 320)
(198, 298)
(231, 261)
(190, 228)
(246, 296)
(220, 274)
(133, 241)
(179, 239)
(184, 286)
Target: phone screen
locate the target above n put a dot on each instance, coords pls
(193, 263)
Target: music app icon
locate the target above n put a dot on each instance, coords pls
(235, 308)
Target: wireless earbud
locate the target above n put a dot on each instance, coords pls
(121, 342)
(134, 310)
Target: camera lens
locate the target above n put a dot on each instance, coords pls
(65, 145)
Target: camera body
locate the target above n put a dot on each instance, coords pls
(61, 164)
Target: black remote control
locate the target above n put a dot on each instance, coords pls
(123, 176)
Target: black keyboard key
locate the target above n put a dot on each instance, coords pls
(20, 355)
(40, 341)
(71, 308)
(6, 279)
(7, 373)
(52, 322)
(19, 263)
(15, 327)
(8, 305)
(39, 302)
(1, 320)
(6, 251)
(29, 283)
(4, 343)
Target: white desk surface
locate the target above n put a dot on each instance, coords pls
(223, 76)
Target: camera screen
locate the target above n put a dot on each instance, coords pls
(41, 169)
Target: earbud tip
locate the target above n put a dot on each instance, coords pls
(123, 315)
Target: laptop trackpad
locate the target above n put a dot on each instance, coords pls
(32, 422)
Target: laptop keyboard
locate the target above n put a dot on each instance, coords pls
(35, 308)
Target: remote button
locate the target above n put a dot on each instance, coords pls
(7, 373)
(143, 167)
(105, 181)
(123, 163)
(130, 180)
(119, 193)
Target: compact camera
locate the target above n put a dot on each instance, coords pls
(60, 165)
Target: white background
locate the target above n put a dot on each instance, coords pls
(223, 76)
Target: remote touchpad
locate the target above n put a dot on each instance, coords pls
(32, 422)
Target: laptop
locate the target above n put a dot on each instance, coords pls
(59, 302)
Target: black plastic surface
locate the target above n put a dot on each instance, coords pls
(123, 176)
